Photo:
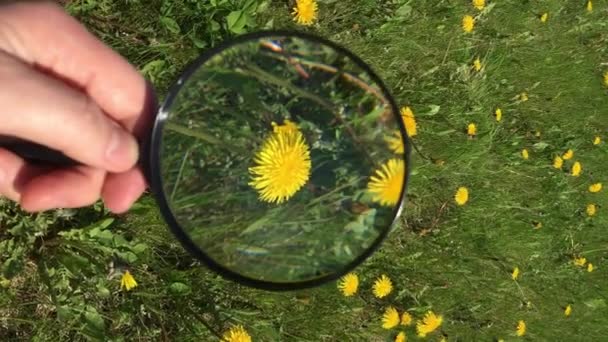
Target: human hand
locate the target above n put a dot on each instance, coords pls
(63, 88)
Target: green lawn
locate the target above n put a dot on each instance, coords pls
(454, 260)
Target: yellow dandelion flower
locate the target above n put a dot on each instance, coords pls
(443, 339)
(409, 121)
(597, 187)
(462, 196)
(349, 284)
(523, 97)
(498, 114)
(237, 334)
(127, 281)
(544, 17)
(382, 286)
(395, 143)
(472, 130)
(430, 322)
(386, 183)
(283, 164)
(591, 209)
(468, 23)
(477, 64)
(606, 78)
(589, 6)
(521, 328)
(479, 4)
(305, 11)
(589, 267)
(401, 337)
(580, 261)
(515, 273)
(390, 319)
(597, 140)
(568, 155)
(406, 319)
(577, 168)
(558, 162)
(568, 310)
(525, 154)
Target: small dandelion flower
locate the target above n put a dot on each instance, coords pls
(525, 154)
(580, 261)
(401, 337)
(606, 78)
(237, 334)
(523, 97)
(468, 23)
(597, 140)
(429, 323)
(305, 11)
(382, 286)
(589, 6)
(591, 209)
(597, 187)
(589, 267)
(406, 319)
(515, 273)
(283, 164)
(390, 319)
(386, 183)
(521, 328)
(558, 162)
(127, 281)
(349, 284)
(568, 310)
(472, 130)
(544, 17)
(395, 143)
(443, 339)
(568, 155)
(477, 64)
(479, 4)
(498, 114)
(577, 168)
(462, 196)
(409, 121)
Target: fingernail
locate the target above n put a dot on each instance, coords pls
(122, 150)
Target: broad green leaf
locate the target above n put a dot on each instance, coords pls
(170, 24)
(178, 288)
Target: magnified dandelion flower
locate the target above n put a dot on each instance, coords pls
(305, 11)
(589, 6)
(283, 164)
(237, 334)
(581, 261)
(523, 97)
(525, 154)
(591, 209)
(401, 337)
(382, 286)
(568, 310)
(577, 168)
(568, 155)
(544, 17)
(472, 130)
(395, 143)
(498, 114)
(406, 319)
(515, 273)
(597, 140)
(127, 281)
(521, 328)
(429, 323)
(390, 318)
(349, 284)
(386, 183)
(477, 64)
(589, 267)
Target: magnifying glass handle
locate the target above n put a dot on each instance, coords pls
(35, 153)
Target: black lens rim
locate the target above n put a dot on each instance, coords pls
(156, 182)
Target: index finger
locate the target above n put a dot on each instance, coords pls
(74, 54)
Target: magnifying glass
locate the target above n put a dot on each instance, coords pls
(279, 159)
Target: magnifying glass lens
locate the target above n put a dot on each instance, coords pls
(281, 159)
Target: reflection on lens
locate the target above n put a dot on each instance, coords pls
(281, 159)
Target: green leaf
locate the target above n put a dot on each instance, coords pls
(178, 288)
(94, 320)
(140, 248)
(170, 24)
(237, 21)
(103, 291)
(64, 313)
